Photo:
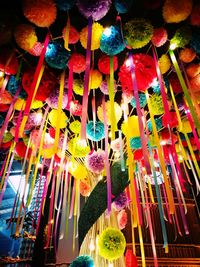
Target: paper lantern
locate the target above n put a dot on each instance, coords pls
(123, 6)
(95, 161)
(97, 30)
(164, 63)
(176, 11)
(145, 72)
(96, 9)
(78, 86)
(157, 104)
(138, 33)
(181, 37)
(172, 120)
(195, 15)
(193, 70)
(83, 260)
(75, 126)
(12, 86)
(77, 62)
(195, 84)
(195, 41)
(52, 100)
(95, 79)
(73, 35)
(187, 55)
(117, 108)
(111, 41)
(53, 118)
(95, 131)
(131, 126)
(40, 12)
(25, 36)
(46, 85)
(143, 101)
(78, 148)
(8, 61)
(111, 244)
(56, 55)
(65, 5)
(104, 64)
(159, 37)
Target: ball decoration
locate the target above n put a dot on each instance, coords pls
(75, 126)
(195, 15)
(85, 188)
(135, 143)
(156, 87)
(7, 137)
(104, 64)
(56, 55)
(97, 30)
(95, 161)
(78, 171)
(115, 145)
(186, 127)
(65, 5)
(6, 98)
(138, 33)
(143, 101)
(158, 122)
(193, 70)
(36, 50)
(52, 100)
(20, 150)
(82, 261)
(25, 36)
(75, 108)
(77, 62)
(195, 84)
(95, 131)
(187, 55)
(121, 201)
(117, 108)
(34, 120)
(105, 85)
(164, 63)
(42, 13)
(19, 104)
(13, 85)
(176, 11)
(195, 41)
(47, 84)
(122, 219)
(96, 9)
(111, 244)
(172, 120)
(95, 79)
(167, 137)
(53, 118)
(78, 147)
(78, 86)
(145, 72)
(181, 37)
(131, 127)
(159, 37)
(112, 41)
(157, 104)
(8, 61)
(4, 107)
(123, 6)
(73, 35)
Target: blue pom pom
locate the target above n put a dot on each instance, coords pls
(56, 55)
(13, 85)
(65, 4)
(135, 143)
(142, 99)
(111, 42)
(122, 6)
(1, 120)
(97, 133)
(156, 86)
(82, 261)
(158, 122)
(195, 41)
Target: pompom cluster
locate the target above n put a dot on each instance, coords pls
(53, 118)
(95, 131)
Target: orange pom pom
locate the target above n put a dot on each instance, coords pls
(193, 70)
(25, 36)
(195, 83)
(187, 55)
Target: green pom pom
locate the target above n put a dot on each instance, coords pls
(157, 104)
(182, 37)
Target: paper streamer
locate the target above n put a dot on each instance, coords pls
(66, 34)
(141, 246)
(70, 87)
(86, 81)
(121, 152)
(184, 87)
(143, 137)
(176, 108)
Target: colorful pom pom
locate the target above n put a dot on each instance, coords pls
(97, 30)
(105, 85)
(95, 79)
(187, 55)
(174, 81)
(159, 37)
(95, 131)
(52, 100)
(111, 41)
(172, 120)
(157, 104)
(78, 171)
(111, 244)
(73, 35)
(181, 37)
(6, 98)
(122, 219)
(53, 118)
(78, 86)
(104, 64)
(164, 63)
(142, 99)
(82, 261)
(193, 70)
(138, 32)
(123, 6)
(65, 5)
(78, 148)
(25, 36)
(135, 143)
(75, 126)
(117, 108)
(36, 50)
(195, 84)
(75, 108)
(176, 11)
(158, 122)
(56, 55)
(95, 161)
(84, 189)
(12, 86)
(121, 201)
(96, 9)
(77, 62)
(131, 126)
(40, 12)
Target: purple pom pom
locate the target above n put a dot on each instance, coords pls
(95, 162)
(52, 100)
(121, 201)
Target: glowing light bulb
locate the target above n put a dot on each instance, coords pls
(107, 32)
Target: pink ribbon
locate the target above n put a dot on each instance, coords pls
(70, 87)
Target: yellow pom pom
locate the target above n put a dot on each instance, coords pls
(78, 171)
(36, 104)
(186, 126)
(118, 112)
(48, 152)
(175, 11)
(78, 148)
(25, 36)
(131, 127)
(75, 127)
(157, 104)
(164, 63)
(53, 118)
(20, 104)
(78, 86)
(97, 30)
(95, 79)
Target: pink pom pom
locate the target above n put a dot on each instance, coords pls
(37, 49)
(195, 15)
(122, 219)
(159, 37)
(73, 35)
(104, 64)
(77, 62)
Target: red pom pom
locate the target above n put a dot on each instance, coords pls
(47, 84)
(52, 132)
(159, 37)
(195, 15)
(176, 86)
(172, 121)
(77, 61)
(130, 258)
(6, 145)
(166, 137)
(145, 72)
(8, 61)
(21, 148)
(138, 154)
(75, 108)
(4, 107)
(73, 35)
(104, 64)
